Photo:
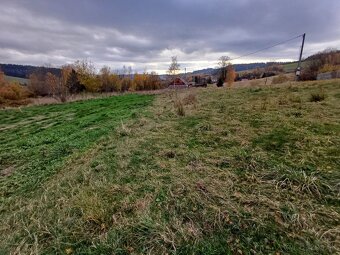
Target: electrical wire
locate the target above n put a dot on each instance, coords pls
(266, 48)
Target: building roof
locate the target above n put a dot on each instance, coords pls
(178, 81)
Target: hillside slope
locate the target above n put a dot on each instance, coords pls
(202, 171)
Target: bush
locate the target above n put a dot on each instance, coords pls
(220, 82)
(320, 62)
(126, 84)
(329, 68)
(317, 97)
(280, 79)
(37, 84)
(179, 107)
(13, 95)
(13, 92)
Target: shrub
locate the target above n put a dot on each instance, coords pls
(320, 62)
(280, 79)
(231, 75)
(329, 68)
(91, 83)
(317, 97)
(179, 107)
(13, 92)
(220, 82)
(153, 81)
(73, 84)
(37, 84)
(126, 84)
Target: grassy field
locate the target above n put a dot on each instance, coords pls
(291, 67)
(200, 171)
(16, 79)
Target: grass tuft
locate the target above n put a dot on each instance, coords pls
(179, 106)
(317, 97)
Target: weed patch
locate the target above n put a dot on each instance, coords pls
(317, 97)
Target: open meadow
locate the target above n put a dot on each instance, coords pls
(252, 170)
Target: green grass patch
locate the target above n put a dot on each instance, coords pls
(37, 141)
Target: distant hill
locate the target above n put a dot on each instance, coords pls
(323, 54)
(238, 68)
(24, 71)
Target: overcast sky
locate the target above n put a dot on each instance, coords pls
(145, 34)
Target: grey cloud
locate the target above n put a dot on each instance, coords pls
(149, 31)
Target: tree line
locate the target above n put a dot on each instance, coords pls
(325, 61)
(82, 77)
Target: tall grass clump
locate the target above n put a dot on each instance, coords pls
(317, 96)
(179, 106)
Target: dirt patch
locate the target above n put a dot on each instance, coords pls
(7, 171)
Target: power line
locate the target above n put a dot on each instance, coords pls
(266, 48)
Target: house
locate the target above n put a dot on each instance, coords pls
(178, 82)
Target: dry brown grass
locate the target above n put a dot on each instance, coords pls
(280, 79)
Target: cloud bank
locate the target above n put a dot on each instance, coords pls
(145, 34)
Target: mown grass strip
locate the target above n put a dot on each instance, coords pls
(36, 141)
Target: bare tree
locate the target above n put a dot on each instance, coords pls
(223, 62)
(105, 72)
(37, 83)
(174, 66)
(52, 83)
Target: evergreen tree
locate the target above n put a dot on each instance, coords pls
(73, 83)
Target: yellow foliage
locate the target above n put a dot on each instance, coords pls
(126, 84)
(87, 76)
(115, 82)
(329, 68)
(13, 91)
(91, 83)
(140, 81)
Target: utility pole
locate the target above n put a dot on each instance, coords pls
(298, 69)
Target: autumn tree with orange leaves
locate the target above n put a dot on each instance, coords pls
(231, 75)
